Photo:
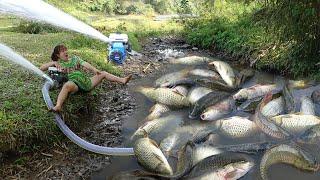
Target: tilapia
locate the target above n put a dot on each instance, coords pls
(165, 96)
(287, 154)
(203, 151)
(295, 123)
(311, 135)
(225, 71)
(315, 96)
(265, 123)
(158, 128)
(210, 167)
(237, 127)
(156, 111)
(150, 156)
(206, 101)
(172, 77)
(218, 110)
(196, 93)
(192, 60)
(254, 91)
(307, 106)
(205, 73)
(274, 107)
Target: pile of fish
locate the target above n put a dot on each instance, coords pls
(210, 141)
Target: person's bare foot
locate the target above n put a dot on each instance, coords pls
(127, 79)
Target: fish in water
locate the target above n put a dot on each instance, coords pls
(192, 60)
(265, 123)
(295, 123)
(218, 110)
(156, 111)
(288, 154)
(311, 135)
(172, 77)
(181, 136)
(226, 72)
(254, 91)
(158, 128)
(237, 127)
(203, 151)
(205, 73)
(274, 107)
(307, 106)
(185, 82)
(222, 166)
(150, 156)
(165, 96)
(206, 101)
(196, 93)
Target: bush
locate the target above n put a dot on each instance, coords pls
(31, 27)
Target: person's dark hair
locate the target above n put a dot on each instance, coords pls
(56, 51)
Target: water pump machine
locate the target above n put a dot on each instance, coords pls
(118, 48)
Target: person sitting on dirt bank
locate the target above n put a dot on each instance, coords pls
(77, 79)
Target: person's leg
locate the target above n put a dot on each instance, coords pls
(97, 79)
(68, 87)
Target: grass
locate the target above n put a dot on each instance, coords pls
(25, 124)
(235, 28)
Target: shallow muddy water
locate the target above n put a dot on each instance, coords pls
(131, 123)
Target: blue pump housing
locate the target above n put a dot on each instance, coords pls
(117, 52)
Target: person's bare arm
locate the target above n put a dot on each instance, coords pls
(91, 68)
(45, 66)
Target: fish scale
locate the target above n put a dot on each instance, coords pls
(237, 127)
(156, 111)
(287, 154)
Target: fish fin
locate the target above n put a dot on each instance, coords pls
(230, 175)
(177, 92)
(154, 143)
(152, 108)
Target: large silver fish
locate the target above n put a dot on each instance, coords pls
(172, 77)
(225, 71)
(237, 127)
(254, 91)
(212, 166)
(192, 60)
(265, 123)
(205, 73)
(196, 93)
(218, 110)
(183, 90)
(295, 123)
(156, 111)
(158, 128)
(206, 101)
(203, 151)
(274, 107)
(178, 138)
(165, 96)
(307, 106)
(150, 156)
(287, 154)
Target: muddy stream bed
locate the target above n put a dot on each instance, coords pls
(121, 111)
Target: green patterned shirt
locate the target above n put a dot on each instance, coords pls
(75, 73)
